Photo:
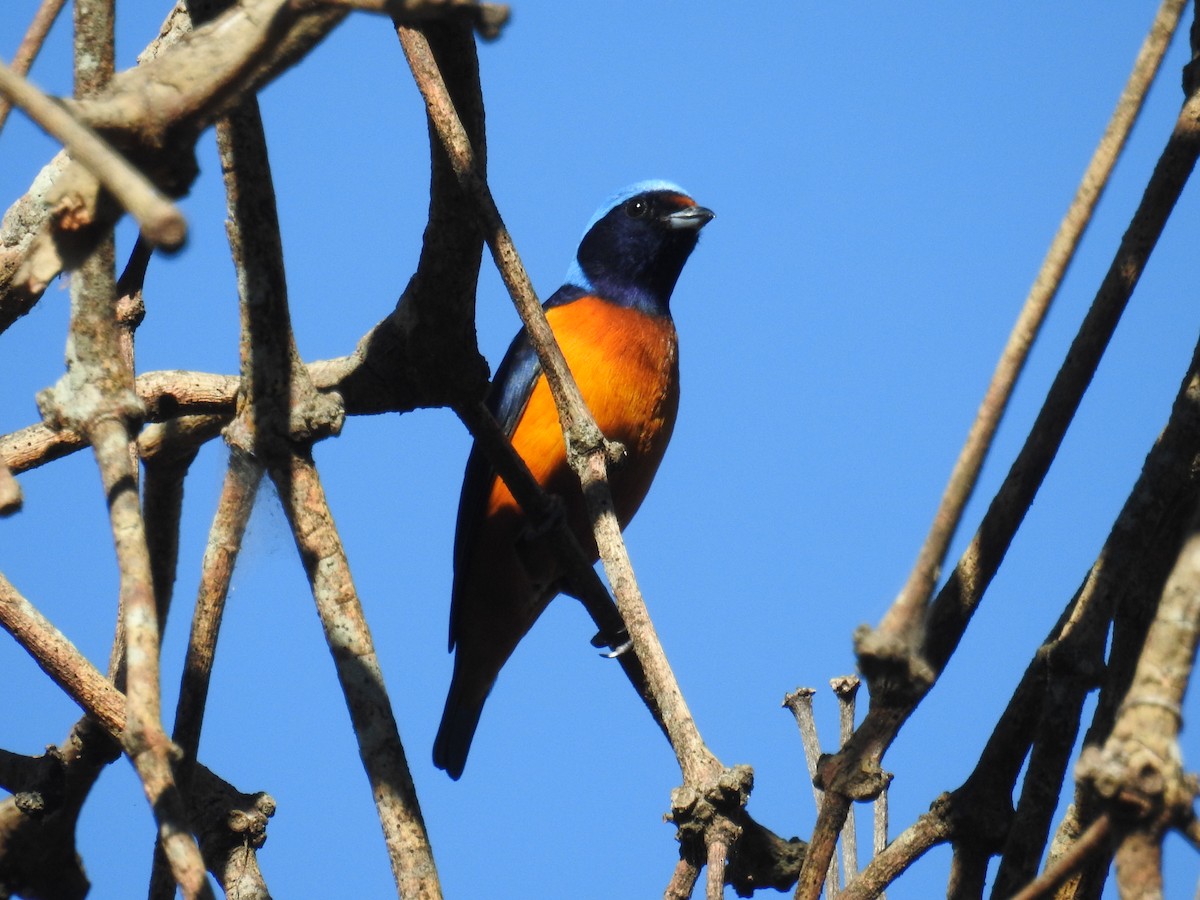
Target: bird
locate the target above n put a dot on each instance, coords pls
(612, 319)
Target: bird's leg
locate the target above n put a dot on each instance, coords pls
(534, 544)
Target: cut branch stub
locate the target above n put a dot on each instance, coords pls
(717, 806)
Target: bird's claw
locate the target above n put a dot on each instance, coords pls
(618, 651)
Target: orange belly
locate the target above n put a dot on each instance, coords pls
(627, 367)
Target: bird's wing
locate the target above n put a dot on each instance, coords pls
(507, 398)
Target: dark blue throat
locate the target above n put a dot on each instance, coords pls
(634, 263)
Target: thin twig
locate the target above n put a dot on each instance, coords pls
(879, 837)
(906, 616)
(61, 660)
(683, 881)
(234, 507)
(887, 663)
(281, 415)
(930, 830)
(800, 703)
(216, 572)
(233, 823)
(131, 306)
(1091, 841)
(846, 687)
(31, 45)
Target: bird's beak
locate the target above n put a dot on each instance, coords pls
(690, 218)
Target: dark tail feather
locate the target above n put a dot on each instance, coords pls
(459, 721)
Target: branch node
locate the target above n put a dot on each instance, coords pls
(865, 780)
(1139, 783)
(897, 673)
(80, 407)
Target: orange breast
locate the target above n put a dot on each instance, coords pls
(627, 367)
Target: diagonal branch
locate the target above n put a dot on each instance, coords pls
(229, 821)
(224, 542)
(280, 415)
(152, 114)
(161, 222)
(1134, 561)
(31, 45)
(906, 617)
(711, 795)
(582, 435)
(96, 399)
(898, 679)
(1138, 775)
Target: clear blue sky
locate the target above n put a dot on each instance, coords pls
(886, 179)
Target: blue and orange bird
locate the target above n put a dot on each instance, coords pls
(612, 320)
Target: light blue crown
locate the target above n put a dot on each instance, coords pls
(575, 274)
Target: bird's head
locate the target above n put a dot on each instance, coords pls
(636, 244)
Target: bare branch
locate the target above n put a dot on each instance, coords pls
(153, 114)
(897, 682)
(10, 491)
(59, 659)
(906, 616)
(1090, 842)
(231, 824)
(358, 669)
(224, 542)
(278, 404)
(160, 220)
(164, 395)
(930, 830)
(96, 398)
(683, 881)
(31, 45)
(718, 848)
(1134, 561)
(846, 687)
(1138, 775)
(799, 702)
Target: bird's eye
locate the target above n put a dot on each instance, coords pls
(637, 208)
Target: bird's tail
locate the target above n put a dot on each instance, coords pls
(459, 721)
